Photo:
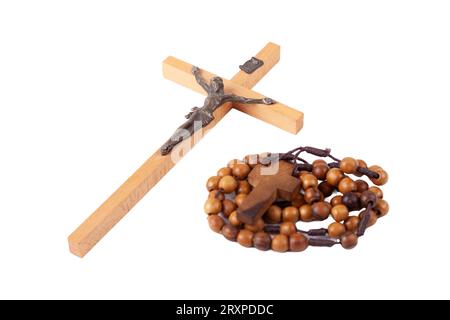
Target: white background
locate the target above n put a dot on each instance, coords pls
(83, 103)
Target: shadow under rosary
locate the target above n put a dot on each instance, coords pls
(216, 97)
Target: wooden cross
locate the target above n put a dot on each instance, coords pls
(276, 182)
(132, 190)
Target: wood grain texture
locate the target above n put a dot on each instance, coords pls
(97, 225)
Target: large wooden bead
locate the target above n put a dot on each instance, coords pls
(351, 201)
(213, 206)
(351, 223)
(287, 228)
(320, 171)
(383, 175)
(213, 183)
(224, 172)
(339, 212)
(230, 232)
(336, 229)
(215, 222)
(290, 214)
(378, 192)
(244, 187)
(241, 170)
(216, 194)
(280, 243)
(240, 198)
(228, 207)
(274, 214)
(321, 210)
(346, 185)
(233, 219)
(313, 195)
(367, 198)
(309, 181)
(306, 214)
(361, 186)
(382, 207)
(297, 242)
(349, 240)
(257, 226)
(348, 165)
(228, 184)
(245, 238)
(334, 176)
(326, 189)
(262, 241)
(336, 200)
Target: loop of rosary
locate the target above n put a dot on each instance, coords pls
(325, 189)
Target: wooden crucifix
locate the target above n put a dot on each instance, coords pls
(98, 224)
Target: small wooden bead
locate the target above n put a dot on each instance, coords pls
(326, 189)
(233, 219)
(309, 181)
(319, 162)
(351, 201)
(244, 187)
(361, 164)
(280, 243)
(346, 185)
(215, 222)
(234, 162)
(251, 160)
(383, 175)
(258, 226)
(213, 206)
(216, 194)
(321, 210)
(339, 212)
(228, 184)
(297, 242)
(228, 207)
(306, 213)
(382, 207)
(273, 215)
(230, 232)
(361, 186)
(262, 241)
(224, 172)
(336, 229)
(245, 238)
(288, 228)
(349, 240)
(240, 198)
(351, 223)
(298, 200)
(213, 183)
(320, 171)
(336, 200)
(313, 195)
(334, 176)
(290, 214)
(241, 170)
(348, 165)
(373, 217)
(367, 198)
(378, 192)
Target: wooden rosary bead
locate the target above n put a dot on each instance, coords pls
(228, 184)
(339, 212)
(349, 240)
(319, 162)
(321, 210)
(274, 214)
(361, 186)
(241, 170)
(298, 200)
(297, 242)
(382, 207)
(312, 195)
(245, 238)
(240, 199)
(228, 207)
(230, 232)
(378, 192)
(373, 217)
(224, 172)
(244, 187)
(258, 226)
(288, 228)
(320, 171)
(336, 200)
(213, 206)
(336, 229)
(290, 214)
(326, 189)
(367, 198)
(251, 160)
(216, 194)
(362, 164)
(334, 176)
(280, 243)
(233, 219)
(383, 175)
(262, 241)
(348, 165)
(306, 214)
(351, 201)
(309, 181)
(351, 223)
(215, 222)
(346, 185)
(213, 183)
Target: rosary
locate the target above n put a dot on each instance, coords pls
(257, 201)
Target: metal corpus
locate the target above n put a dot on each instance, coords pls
(251, 65)
(216, 97)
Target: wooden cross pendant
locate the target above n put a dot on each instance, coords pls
(147, 176)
